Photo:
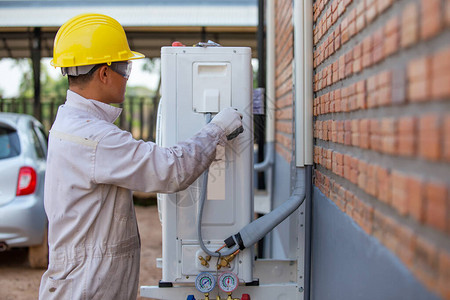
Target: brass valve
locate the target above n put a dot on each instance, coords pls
(204, 261)
(228, 298)
(225, 261)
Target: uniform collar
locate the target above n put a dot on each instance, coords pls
(99, 109)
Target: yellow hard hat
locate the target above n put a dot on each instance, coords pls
(89, 39)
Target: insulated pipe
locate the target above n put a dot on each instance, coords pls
(199, 221)
(256, 230)
(201, 205)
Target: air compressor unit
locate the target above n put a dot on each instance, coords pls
(197, 82)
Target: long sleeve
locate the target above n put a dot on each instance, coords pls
(144, 166)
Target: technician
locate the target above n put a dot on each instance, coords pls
(92, 167)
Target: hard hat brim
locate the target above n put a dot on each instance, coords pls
(136, 55)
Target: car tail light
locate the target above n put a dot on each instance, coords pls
(27, 181)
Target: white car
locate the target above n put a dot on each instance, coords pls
(23, 151)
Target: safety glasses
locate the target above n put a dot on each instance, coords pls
(122, 68)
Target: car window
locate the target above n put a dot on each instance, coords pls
(40, 152)
(42, 137)
(9, 143)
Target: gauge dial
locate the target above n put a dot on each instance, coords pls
(205, 282)
(228, 282)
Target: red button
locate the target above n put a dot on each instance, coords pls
(245, 297)
(177, 44)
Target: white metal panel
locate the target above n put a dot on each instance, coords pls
(228, 210)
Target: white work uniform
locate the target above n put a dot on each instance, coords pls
(92, 166)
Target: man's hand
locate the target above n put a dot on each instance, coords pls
(230, 120)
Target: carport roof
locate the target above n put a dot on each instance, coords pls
(149, 24)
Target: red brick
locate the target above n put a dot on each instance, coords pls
(407, 136)
(399, 192)
(337, 41)
(440, 74)
(378, 45)
(348, 132)
(342, 67)
(418, 68)
(410, 25)
(357, 58)
(388, 136)
(384, 185)
(347, 167)
(356, 213)
(344, 31)
(384, 78)
(371, 183)
(436, 205)
(378, 225)
(391, 32)
(371, 10)
(430, 137)
(382, 5)
(419, 90)
(329, 161)
(348, 63)
(431, 18)
(418, 73)
(355, 133)
(364, 141)
(341, 7)
(361, 98)
(447, 15)
(354, 170)
(405, 247)
(384, 90)
(390, 234)
(375, 135)
(366, 222)
(362, 177)
(415, 195)
(367, 59)
(426, 262)
(350, 199)
(341, 132)
(446, 138)
(341, 198)
(444, 274)
(360, 22)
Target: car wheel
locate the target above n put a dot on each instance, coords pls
(38, 255)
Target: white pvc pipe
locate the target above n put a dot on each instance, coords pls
(308, 79)
(303, 50)
(270, 71)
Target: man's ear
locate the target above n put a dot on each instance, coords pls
(103, 74)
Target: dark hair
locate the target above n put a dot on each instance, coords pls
(83, 79)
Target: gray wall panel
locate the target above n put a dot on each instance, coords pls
(349, 264)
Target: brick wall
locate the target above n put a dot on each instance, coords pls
(284, 55)
(382, 124)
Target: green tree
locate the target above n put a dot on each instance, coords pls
(50, 87)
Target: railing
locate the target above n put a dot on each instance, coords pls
(138, 115)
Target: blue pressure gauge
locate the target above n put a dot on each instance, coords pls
(205, 282)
